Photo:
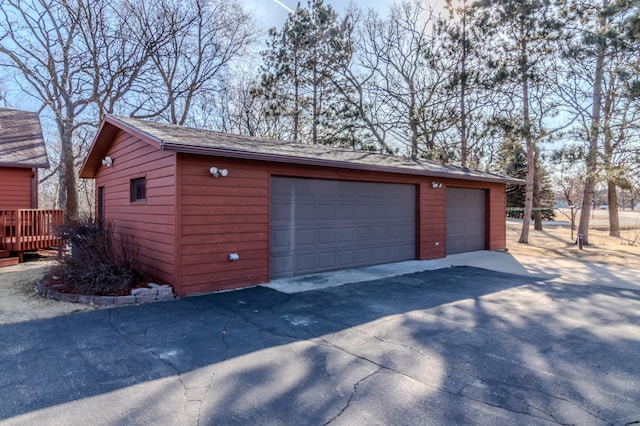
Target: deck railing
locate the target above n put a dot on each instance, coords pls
(29, 229)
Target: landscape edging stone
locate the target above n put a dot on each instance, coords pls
(153, 293)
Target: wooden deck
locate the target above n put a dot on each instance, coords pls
(29, 229)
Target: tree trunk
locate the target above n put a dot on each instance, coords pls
(463, 90)
(530, 147)
(296, 101)
(609, 167)
(413, 124)
(537, 213)
(68, 192)
(612, 199)
(528, 198)
(316, 112)
(592, 156)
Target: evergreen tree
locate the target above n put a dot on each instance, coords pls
(464, 57)
(513, 162)
(522, 34)
(299, 63)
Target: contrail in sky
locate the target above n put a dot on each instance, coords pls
(288, 9)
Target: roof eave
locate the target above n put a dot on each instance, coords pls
(26, 166)
(279, 158)
(104, 137)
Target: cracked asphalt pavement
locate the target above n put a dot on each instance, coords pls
(453, 346)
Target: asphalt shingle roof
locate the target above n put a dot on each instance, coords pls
(192, 140)
(21, 141)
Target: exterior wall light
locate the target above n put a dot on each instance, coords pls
(436, 185)
(107, 161)
(216, 172)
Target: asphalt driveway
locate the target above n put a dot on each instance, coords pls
(450, 346)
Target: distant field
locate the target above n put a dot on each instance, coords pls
(600, 218)
(555, 240)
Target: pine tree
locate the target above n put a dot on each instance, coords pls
(522, 33)
(299, 62)
(512, 162)
(602, 57)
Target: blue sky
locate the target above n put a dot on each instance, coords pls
(273, 13)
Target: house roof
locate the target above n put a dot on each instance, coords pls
(205, 142)
(21, 141)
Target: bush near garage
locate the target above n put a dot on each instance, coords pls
(98, 264)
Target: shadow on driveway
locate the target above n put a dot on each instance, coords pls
(459, 345)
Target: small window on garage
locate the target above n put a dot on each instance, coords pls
(138, 189)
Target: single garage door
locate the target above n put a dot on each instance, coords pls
(322, 225)
(466, 220)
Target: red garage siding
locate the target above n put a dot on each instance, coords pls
(220, 216)
(150, 223)
(15, 190)
(230, 214)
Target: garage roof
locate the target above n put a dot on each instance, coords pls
(21, 141)
(171, 137)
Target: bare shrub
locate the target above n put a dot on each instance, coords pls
(99, 264)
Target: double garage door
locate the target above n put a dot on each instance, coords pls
(322, 225)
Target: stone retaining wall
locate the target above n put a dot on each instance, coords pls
(152, 293)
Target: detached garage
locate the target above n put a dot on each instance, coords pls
(212, 211)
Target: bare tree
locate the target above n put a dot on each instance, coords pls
(194, 43)
(38, 43)
(81, 59)
(63, 54)
(239, 108)
(394, 79)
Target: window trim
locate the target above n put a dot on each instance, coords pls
(100, 207)
(134, 196)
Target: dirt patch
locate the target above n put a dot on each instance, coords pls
(19, 301)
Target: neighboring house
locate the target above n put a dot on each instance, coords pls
(22, 153)
(212, 211)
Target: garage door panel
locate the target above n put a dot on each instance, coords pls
(407, 231)
(379, 233)
(339, 224)
(281, 239)
(305, 211)
(327, 211)
(363, 211)
(326, 235)
(281, 264)
(380, 212)
(379, 254)
(344, 235)
(466, 220)
(344, 211)
(345, 258)
(363, 233)
(281, 212)
(327, 260)
(305, 237)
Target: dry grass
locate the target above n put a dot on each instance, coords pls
(555, 241)
(20, 302)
